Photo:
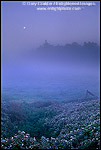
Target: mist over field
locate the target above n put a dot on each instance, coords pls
(53, 72)
(50, 77)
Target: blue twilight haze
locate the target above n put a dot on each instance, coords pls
(49, 54)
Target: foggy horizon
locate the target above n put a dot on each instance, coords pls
(50, 75)
(41, 26)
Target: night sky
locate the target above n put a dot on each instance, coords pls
(58, 27)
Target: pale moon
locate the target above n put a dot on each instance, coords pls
(24, 28)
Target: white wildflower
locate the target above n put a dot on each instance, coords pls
(34, 139)
(23, 132)
(19, 131)
(71, 131)
(52, 138)
(26, 136)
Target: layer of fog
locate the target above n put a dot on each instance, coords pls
(47, 70)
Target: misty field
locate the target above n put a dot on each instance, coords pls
(50, 75)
